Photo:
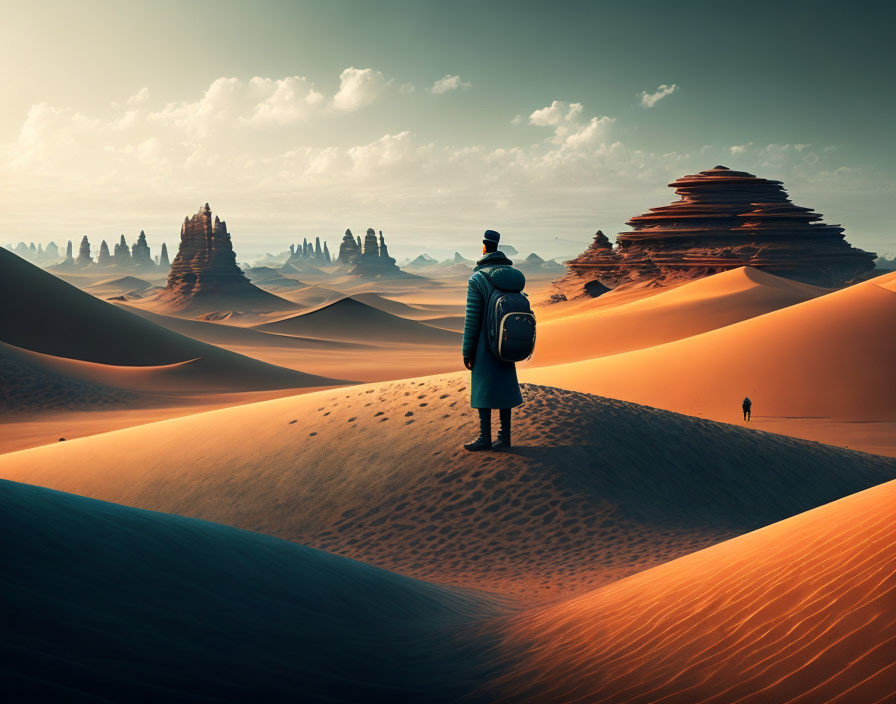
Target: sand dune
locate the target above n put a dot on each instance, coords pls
(597, 489)
(693, 308)
(122, 284)
(75, 325)
(803, 611)
(30, 381)
(352, 321)
(828, 357)
(313, 296)
(117, 604)
(225, 335)
(398, 308)
(447, 322)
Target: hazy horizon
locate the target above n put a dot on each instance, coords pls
(432, 122)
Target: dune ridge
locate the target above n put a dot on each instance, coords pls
(193, 611)
(351, 320)
(77, 326)
(679, 312)
(834, 351)
(596, 489)
(801, 612)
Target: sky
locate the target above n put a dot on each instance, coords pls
(433, 121)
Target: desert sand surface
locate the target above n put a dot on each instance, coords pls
(224, 334)
(695, 307)
(826, 363)
(117, 604)
(42, 423)
(350, 320)
(595, 490)
(77, 326)
(802, 611)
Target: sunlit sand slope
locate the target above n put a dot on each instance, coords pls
(803, 612)
(696, 307)
(596, 489)
(107, 603)
(831, 356)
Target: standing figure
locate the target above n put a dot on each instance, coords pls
(747, 407)
(494, 383)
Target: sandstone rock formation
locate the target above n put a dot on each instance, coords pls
(122, 254)
(104, 258)
(84, 253)
(204, 275)
(724, 219)
(349, 250)
(308, 257)
(164, 262)
(374, 261)
(140, 256)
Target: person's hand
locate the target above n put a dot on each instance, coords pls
(468, 363)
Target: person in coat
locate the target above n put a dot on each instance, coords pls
(747, 407)
(494, 383)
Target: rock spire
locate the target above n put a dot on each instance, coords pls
(84, 253)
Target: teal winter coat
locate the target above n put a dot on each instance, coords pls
(494, 383)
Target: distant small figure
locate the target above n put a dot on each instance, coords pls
(61, 439)
(747, 406)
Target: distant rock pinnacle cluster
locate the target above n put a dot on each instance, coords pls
(724, 219)
(306, 253)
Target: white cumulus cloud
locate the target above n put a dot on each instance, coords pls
(569, 130)
(448, 83)
(358, 87)
(648, 100)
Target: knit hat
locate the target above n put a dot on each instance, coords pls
(491, 237)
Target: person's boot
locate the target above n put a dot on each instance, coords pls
(503, 440)
(484, 441)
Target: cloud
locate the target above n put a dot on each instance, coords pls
(569, 130)
(448, 83)
(358, 87)
(648, 100)
(140, 97)
(147, 163)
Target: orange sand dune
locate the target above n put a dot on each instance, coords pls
(30, 381)
(831, 357)
(596, 489)
(673, 314)
(225, 335)
(44, 314)
(802, 612)
(349, 320)
(313, 296)
(107, 603)
(416, 311)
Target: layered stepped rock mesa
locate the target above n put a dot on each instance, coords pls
(204, 276)
(724, 220)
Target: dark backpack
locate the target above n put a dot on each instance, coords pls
(509, 320)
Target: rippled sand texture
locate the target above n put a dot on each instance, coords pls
(803, 611)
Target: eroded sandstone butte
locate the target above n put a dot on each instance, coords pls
(204, 275)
